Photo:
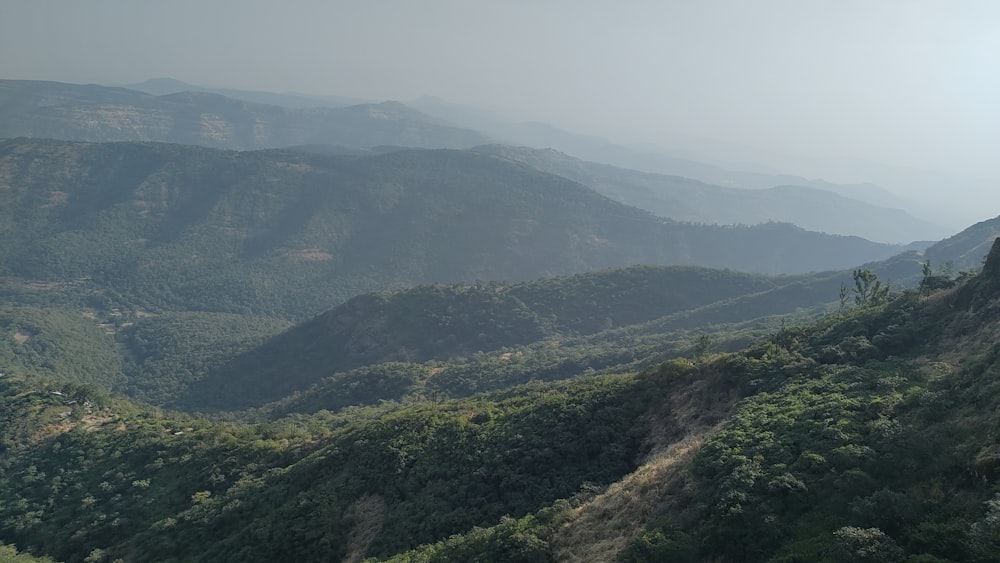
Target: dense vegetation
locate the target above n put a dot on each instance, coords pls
(166, 353)
(869, 436)
(157, 244)
(168, 227)
(101, 475)
(456, 321)
(58, 344)
(864, 436)
(489, 335)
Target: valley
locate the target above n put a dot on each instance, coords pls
(361, 333)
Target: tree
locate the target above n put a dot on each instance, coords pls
(856, 545)
(868, 289)
(704, 345)
(984, 535)
(932, 280)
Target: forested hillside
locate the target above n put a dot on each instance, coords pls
(146, 268)
(865, 436)
(495, 335)
(84, 474)
(448, 322)
(278, 232)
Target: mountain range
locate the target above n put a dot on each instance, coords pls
(360, 333)
(162, 223)
(685, 199)
(648, 159)
(187, 114)
(165, 86)
(98, 113)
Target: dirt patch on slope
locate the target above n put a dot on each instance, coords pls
(369, 513)
(605, 525)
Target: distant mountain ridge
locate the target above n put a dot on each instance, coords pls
(163, 86)
(684, 199)
(234, 119)
(588, 147)
(97, 113)
(167, 221)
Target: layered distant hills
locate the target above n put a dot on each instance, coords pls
(641, 157)
(288, 231)
(188, 114)
(164, 86)
(417, 347)
(685, 199)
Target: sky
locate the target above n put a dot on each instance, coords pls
(908, 83)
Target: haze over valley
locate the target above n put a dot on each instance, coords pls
(450, 281)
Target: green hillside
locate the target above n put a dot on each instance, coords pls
(58, 344)
(866, 436)
(966, 249)
(447, 322)
(869, 436)
(496, 335)
(163, 227)
(94, 474)
(154, 329)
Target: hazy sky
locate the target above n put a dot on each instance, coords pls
(906, 82)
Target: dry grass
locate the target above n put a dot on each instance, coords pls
(308, 255)
(601, 528)
(63, 424)
(368, 512)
